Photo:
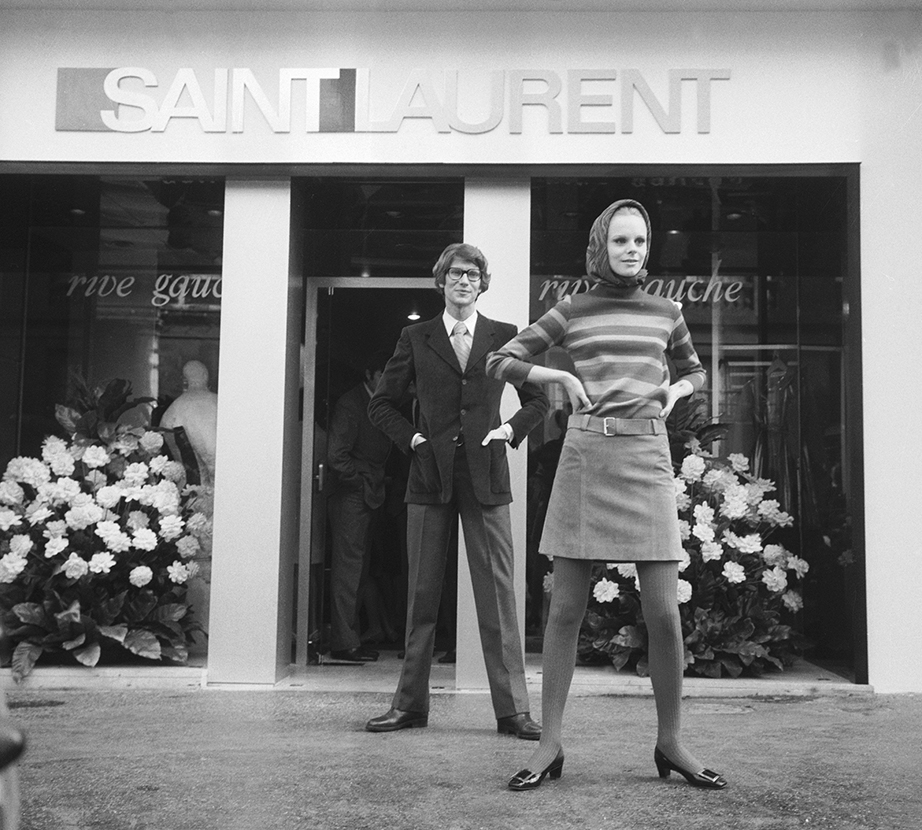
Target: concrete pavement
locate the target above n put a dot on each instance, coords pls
(193, 758)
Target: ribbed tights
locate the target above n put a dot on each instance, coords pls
(658, 582)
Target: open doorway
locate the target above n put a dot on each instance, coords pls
(354, 326)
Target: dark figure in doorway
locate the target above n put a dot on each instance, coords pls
(458, 466)
(357, 452)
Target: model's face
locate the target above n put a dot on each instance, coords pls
(461, 291)
(627, 244)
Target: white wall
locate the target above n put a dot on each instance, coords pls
(250, 522)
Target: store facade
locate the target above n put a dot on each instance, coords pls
(257, 192)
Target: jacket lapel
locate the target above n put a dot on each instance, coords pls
(484, 335)
(438, 341)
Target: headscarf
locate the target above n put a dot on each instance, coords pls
(597, 266)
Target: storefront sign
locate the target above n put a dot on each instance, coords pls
(332, 100)
(684, 289)
(180, 289)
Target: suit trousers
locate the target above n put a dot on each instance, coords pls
(488, 540)
(350, 518)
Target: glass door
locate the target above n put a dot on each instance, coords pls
(351, 328)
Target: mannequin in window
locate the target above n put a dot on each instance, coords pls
(196, 411)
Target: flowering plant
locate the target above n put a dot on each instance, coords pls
(96, 540)
(734, 588)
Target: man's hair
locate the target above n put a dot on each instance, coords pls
(460, 250)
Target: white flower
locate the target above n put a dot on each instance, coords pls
(177, 572)
(158, 464)
(144, 539)
(95, 456)
(138, 519)
(198, 523)
(53, 446)
(750, 543)
(792, 600)
(29, 471)
(21, 544)
(55, 546)
(140, 576)
(604, 590)
(11, 566)
(101, 563)
(11, 493)
(136, 474)
(685, 561)
(171, 527)
(55, 529)
(37, 513)
(192, 568)
(174, 471)
(704, 532)
(684, 529)
(62, 464)
(735, 504)
(95, 479)
(683, 591)
(107, 528)
(75, 567)
(118, 542)
(704, 513)
(734, 572)
(163, 496)
(9, 519)
(82, 516)
(628, 570)
(719, 480)
(62, 490)
(548, 582)
(776, 580)
(711, 551)
(693, 467)
(151, 442)
(738, 462)
(126, 443)
(775, 555)
(682, 502)
(798, 565)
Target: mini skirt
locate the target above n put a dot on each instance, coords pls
(613, 498)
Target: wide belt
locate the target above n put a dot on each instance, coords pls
(617, 426)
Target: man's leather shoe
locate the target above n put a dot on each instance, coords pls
(398, 719)
(359, 654)
(521, 725)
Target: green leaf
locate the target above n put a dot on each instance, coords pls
(70, 645)
(110, 608)
(32, 613)
(176, 653)
(71, 615)
(114, 632)
(67, 418)
(24, 657)
(170, 613)
(89, 655)
(143, 643)
(630, 637)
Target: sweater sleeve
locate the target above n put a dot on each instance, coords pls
(683, 354)
(512, 362)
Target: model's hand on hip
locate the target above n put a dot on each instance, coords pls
(679, 389)
(502, 433)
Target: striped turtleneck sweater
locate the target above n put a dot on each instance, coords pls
(618, 339)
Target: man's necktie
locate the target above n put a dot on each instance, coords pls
(459, 343)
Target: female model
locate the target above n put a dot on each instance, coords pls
(613, 498)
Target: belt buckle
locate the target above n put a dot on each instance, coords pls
(605, 427)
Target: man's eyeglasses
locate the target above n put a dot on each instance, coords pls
(472, 274)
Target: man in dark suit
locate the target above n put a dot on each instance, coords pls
(356, 454)
(458, 467)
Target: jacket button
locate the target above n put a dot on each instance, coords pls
(464, 382)
(464, 412)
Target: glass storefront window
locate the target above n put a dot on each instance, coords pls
(103, 278)
(378, 227)
(761, 265)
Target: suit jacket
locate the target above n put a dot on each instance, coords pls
(357, 449)
(450, 400)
